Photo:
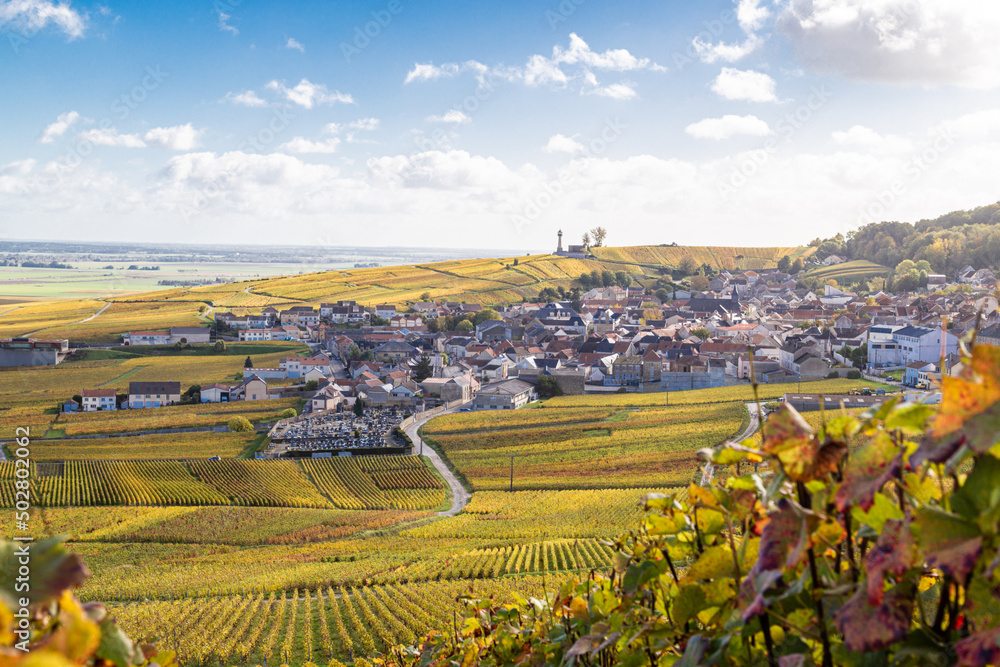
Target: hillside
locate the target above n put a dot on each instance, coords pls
(491, 282)
(849, 273)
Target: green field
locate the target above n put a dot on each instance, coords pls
(850, 272)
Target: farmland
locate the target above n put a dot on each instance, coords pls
(199, 444)
(850, 272)
(576, 449)
(258, 483)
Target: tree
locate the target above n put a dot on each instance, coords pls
(515, 261)
(311, 385)
(700, 283)
(219, 347)
(248, 362)
(239, 425)
(547, 387)
(702, 333)
(607, 278)
(687, 265)
(367, 355)
(288, 413)
(662, 295)
(784, 263)
(797, 266)
(352, 352)
(489, 314)
(622, 279)
(359, 408)
(426, 296)
(599, 234)
(585, 239)
(191, 395)
(423, 369)
(464, 325)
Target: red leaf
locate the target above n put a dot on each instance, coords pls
(784, 538)
(892, 554)
(868, 627)
(980, 649)
(867, 472)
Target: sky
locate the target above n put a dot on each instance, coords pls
(493, 125)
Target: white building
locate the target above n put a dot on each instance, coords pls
(922, 344)
(95, 400)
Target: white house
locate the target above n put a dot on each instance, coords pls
(95, 400)
(923, 344)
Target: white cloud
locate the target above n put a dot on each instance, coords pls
(951, 42)
(177, 138)
(302, 145)
(224, 26)
(976, 125)
(247, 98)
(616, 91)
(367, 124)
(451, 116)
(429, 72)
(111, 137)
(308, 94)
(751, 17)
(747, 85)
(26, 17)
(59, 127)
(728, 126)
(560, 143)
(293, 43)
(866, 139)
(575, 63)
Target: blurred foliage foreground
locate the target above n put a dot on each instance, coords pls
(871, 542)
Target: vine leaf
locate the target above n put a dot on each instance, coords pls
(948, 541)
(892, 554)
(867, 627)
(793, 442)
(783, 542)
(980, 649)
(867, 471)
(971, 392)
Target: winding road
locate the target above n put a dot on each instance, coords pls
(459, 496)
(751, 428)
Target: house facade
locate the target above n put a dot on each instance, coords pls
(509, 395)
(153, 394)
(98, 400)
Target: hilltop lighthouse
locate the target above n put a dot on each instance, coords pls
(559, 245)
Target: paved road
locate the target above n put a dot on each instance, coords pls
(459, 496)
(751, 428)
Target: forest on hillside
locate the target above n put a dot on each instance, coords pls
(948, 243)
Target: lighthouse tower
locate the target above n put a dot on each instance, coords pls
(559, 248)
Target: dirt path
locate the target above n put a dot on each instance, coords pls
(459, 496)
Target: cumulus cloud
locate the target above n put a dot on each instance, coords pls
(574, 63)
(293, 43)
(247, 98)
(864, 138)
(111, 137)
(728, 126)
(367, 124)
(59, 127)
(26, 17)
(751, 17)
(178, 138)
(560, 143)
(898, 41)
(308, 94)
(453, 116)
(302, 145)
(746, 85)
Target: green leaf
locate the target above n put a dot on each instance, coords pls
(53, 569)
(868, 627)
(882, 510)
(910, 418)
(638, 574)
(948, 541)
(115, 645)
(980, 494)
(694, 652)
(713, 563)
(784, 538)
(867, 472)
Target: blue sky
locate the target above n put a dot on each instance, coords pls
(473, 124)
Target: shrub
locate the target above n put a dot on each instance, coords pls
(239, 425)
(832, 375)
(287, 414)
(854, 374)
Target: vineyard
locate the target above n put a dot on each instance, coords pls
(850, 272)
(580, 449)
(314, 624)
(340, 483)
(199, 444)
